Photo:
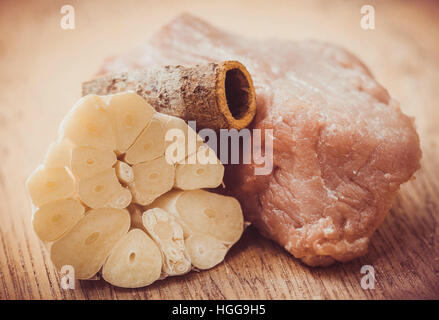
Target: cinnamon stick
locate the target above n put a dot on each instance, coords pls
(218, 95)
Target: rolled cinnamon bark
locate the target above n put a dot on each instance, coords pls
(218, 95)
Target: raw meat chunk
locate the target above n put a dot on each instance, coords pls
(342, 146)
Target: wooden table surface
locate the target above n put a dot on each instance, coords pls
(41, 70)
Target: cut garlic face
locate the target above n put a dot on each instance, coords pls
(89, 125)
(181, 141)
(91, 240)
(103, 190)
(211, 223)
(151, 180)
(87, 161)
(205, 251)
(130, 115)
(168, 235)
(206, 171)
(200, 211)
(52, 220)
(59, 154)
(150, 144)
(111, 170)
(134, 262)
(49, 184)
(124, 172)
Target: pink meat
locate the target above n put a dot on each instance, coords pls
(342, 146)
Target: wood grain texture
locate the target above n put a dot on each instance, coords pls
(42, 68)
